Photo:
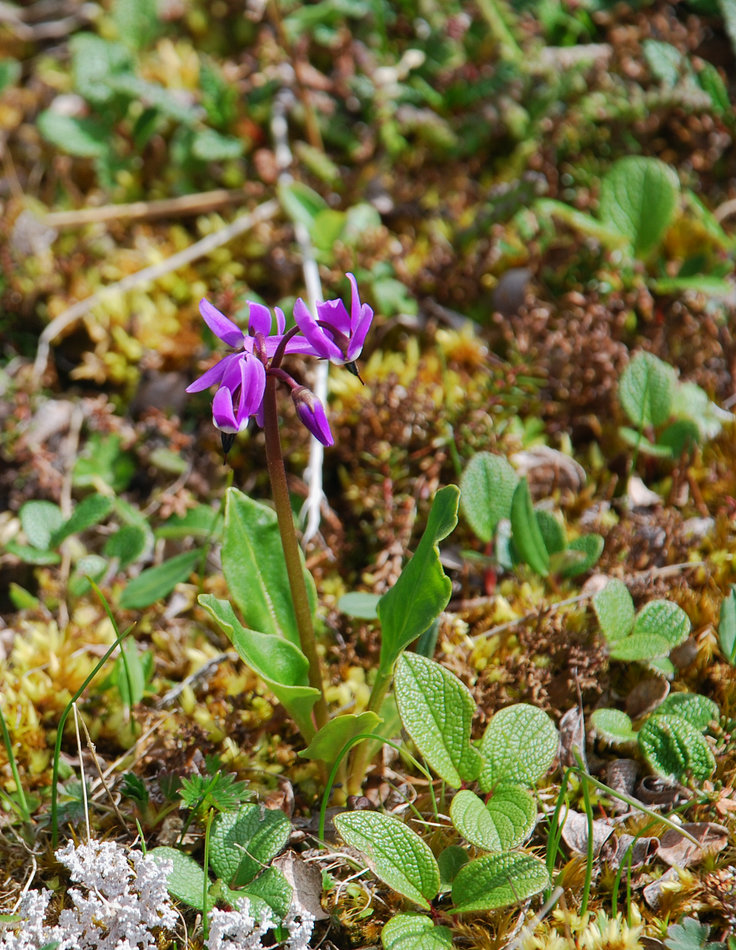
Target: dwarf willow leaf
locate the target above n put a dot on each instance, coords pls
(586, 549)
(335, 735)
(39, 520)
(614, 609)
(243, 842)
(157, 582)
(640, 648)
(279, 663)
(613, 725)
(397, 855)
(269, 891)
(727, 627)
(698, 710)
(255, 570)
(436, 710)
(423, 589)
(415, 932)
(664, 619)
(88, 512)
(519, 745)
(186, 880)
(127, 544)
(450, 860)
(674, 748)
(498, 880)
(526, 534)
(486, 489)
(504, 823)
(638, 197)
(646, 390)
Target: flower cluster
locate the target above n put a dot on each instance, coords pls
(333, 334)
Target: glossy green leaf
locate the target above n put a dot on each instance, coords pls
(334, 735)
(242, 843)
(675, 749)
(639, 197)
(437, 710)
(519, 746)
(279, 663)
(498, 880)
(665, 619)
(698, 710)
(727, 626)
(255, 570)
(646, 390)
(423, 589)
(157, 582)
(502, 824)
(486, 489)
(449, 861)
(614, 726)
(415, 932)
(90, 511)
(525, 531)
(186, 881)
(39, 520)
(614, 609)
(396, 854)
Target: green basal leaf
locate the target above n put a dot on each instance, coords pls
(646, 390)
(588, 549)
(423, 589)
(642, 444)
(519, 745)
(335, 735)
(679, 437)
(614, 609)
(698, 710)
(639, 648)
(242, 843)
(663, 619)
(415, 932)
(437, 710)
(450, 860)
(186, 881)
(486, 489)
(397, 855)
(639, 196)
(40, 520)
(255, 570)
(614, 726)
(504, 823)
(199, 522)
(359, 604)
(279, 663)
(89, 511)
(552, 530)
(157, 582)
(498, 880)
(32, 555)
(525, 531)
(86, 138)
(269, 891)
(727, 626)
(127, 544)
(674, 748)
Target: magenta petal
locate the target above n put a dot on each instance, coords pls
(223, 415)
(221, 325)
(280, 321)
(360, 332)
(213, 375)
(259, 319)
(322, 345)
(312, 413)
(334, 312)
(252, 388)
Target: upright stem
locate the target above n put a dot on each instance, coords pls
(292, 555)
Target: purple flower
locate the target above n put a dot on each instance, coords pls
(240, 395)
(335, 334)
(312, 413)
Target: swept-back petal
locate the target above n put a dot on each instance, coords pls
(334, 313)
(213, 375)
(223, 414)
(252, 387)
(259, 319)
(221, 326)
(322, 345)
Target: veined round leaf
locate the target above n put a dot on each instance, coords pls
(415, 932)
(498, 880)
(638, 197)
(436, 710)
(39, 520)
(664, 619)
(673, 747)
(186, 879)
(646, 390)
(486, 489)
(519, 745)
(640, 647)
(397, 855)
(336, 733)
(88, 512)
(614, 609)
(614, 726)
(243, 842)
(589, 547)
(504, 823)
(698, 710)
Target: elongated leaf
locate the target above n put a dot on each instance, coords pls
(255, 570)
(698, 710)
(242, 843)
(396, 854)
(646, 390)
(486, 489)
(639, 196)
(553, 533)
(519, 745)
(664, 619)
(157, 582)
(504, 823)
(279, 663)
(39, 520)
(423, 589)
(614, 726)
(89, 511)
(436, 710)
(525, 531)
(614, 609)
(675, 748)
(334, 736)
(186, 881)
(727, 627)
(498, 880)
(639, 647)
(415, 932)
(199, 522)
